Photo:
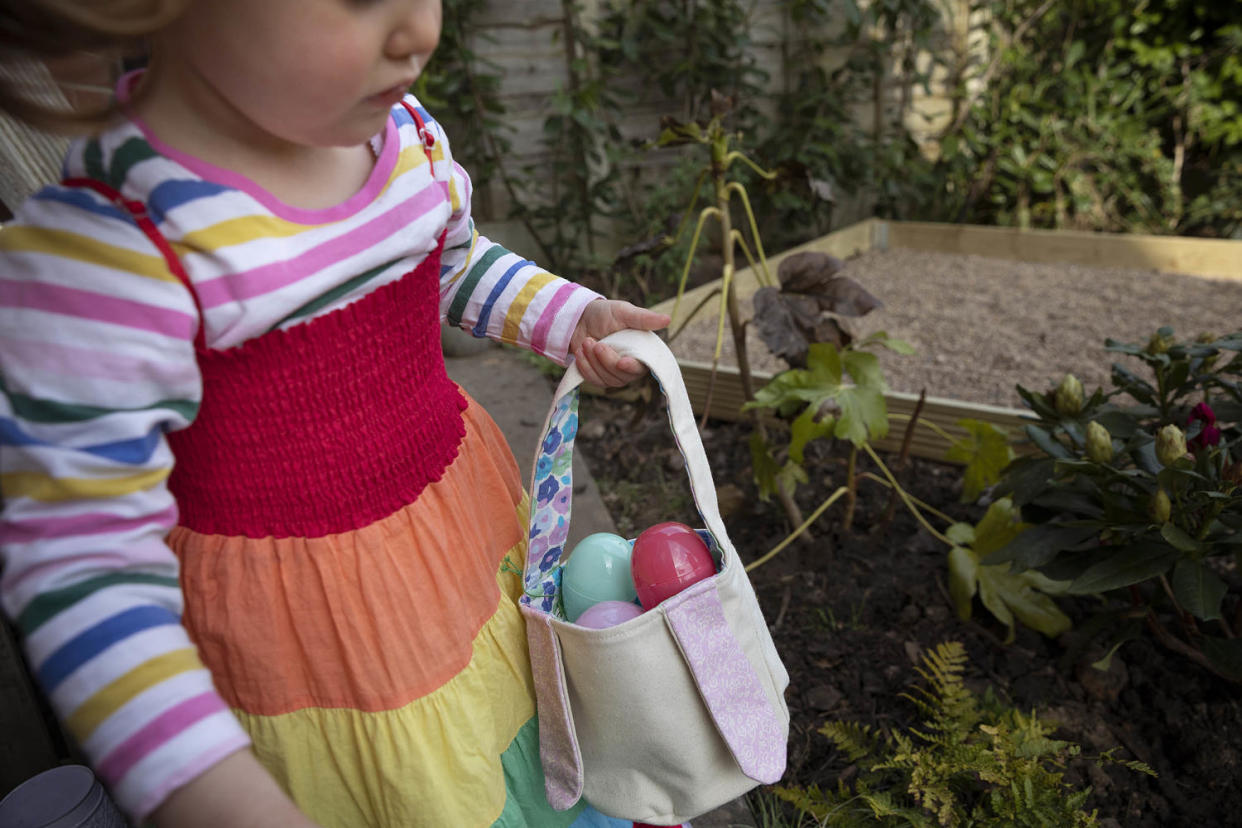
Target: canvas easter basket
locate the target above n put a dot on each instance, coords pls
(670, 714)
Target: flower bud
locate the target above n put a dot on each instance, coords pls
(1099, 443)
(1160, 508)
(1170, 445)
(1159, 343)
(1068, 396)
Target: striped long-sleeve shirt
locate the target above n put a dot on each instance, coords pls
(97, 364)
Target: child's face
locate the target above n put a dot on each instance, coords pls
(309, 72)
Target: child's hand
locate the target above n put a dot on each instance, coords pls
(601, 365)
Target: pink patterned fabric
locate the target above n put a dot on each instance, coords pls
(734, 696)
(558, 746)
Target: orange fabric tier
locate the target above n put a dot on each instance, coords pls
(401, 595)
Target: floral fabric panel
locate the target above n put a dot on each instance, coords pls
(553, 488)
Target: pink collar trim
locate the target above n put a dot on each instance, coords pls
(375, 183)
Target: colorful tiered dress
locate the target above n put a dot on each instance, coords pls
(336, 581)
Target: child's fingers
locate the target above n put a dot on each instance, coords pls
(601, 365)
(632, 316)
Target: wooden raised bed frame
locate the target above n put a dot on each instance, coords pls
(1214, 258)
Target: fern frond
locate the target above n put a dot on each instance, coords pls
(883, 806)
(807, 800)
(856, 741)
(973, 763)
(1133, 764)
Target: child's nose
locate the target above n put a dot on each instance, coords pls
(415, 33)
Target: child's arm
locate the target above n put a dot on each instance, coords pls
(236, 792)
(97, 363)
(495, 293)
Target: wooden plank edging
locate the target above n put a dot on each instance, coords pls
(1209, 258)
(945, 413)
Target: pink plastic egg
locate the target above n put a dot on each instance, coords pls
(667, 558)
(608, 614)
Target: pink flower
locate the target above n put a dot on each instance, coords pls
(1209, 435)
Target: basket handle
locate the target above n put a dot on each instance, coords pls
(551, 487)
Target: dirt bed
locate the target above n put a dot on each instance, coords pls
(980, 326)
(853, 611)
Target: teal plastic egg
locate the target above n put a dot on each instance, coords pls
(598, 569)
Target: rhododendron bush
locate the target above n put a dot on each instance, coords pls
(1135, 494)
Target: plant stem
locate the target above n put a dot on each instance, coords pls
(932, 510)
(765, 278)
(729, 268)
(690, 316)
(1180, 647)
(905, 497)
(798, 531)
(694, 243)
(851, 483)
(1187, 620)
(904, 456)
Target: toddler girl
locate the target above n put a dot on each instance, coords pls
(254, 538)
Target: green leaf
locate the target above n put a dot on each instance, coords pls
(961, 534)
(881, 338)
(764, 467)
(985, 451)
(805, 429)
(1001, 523)
(963, 580)
(991, 592)
(1129, 631)
(823, 362)
(791, 476)
(1046, 443)
(1178, 539)
(865, 369)
(1039, 404)
(1040, 544)
(1198, 589)
(864, 414)
(1027, 477)
(1022, 599)
(1128, 565)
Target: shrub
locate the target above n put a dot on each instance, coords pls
(1136, 494)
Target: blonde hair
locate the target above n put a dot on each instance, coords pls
(47, 31)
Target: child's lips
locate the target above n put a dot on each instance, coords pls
(390, 96)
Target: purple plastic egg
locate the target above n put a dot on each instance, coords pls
(608, 614)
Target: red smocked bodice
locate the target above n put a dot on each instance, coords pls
(321, 428)
(326, 426)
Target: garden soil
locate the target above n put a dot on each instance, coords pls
(854, 610)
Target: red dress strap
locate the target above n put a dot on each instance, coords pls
(429, 140)
(138, 211)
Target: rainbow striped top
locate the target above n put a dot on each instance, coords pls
(97, 364)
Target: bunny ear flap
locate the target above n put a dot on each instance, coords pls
(559, 751)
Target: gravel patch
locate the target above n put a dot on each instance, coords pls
(980, 326)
